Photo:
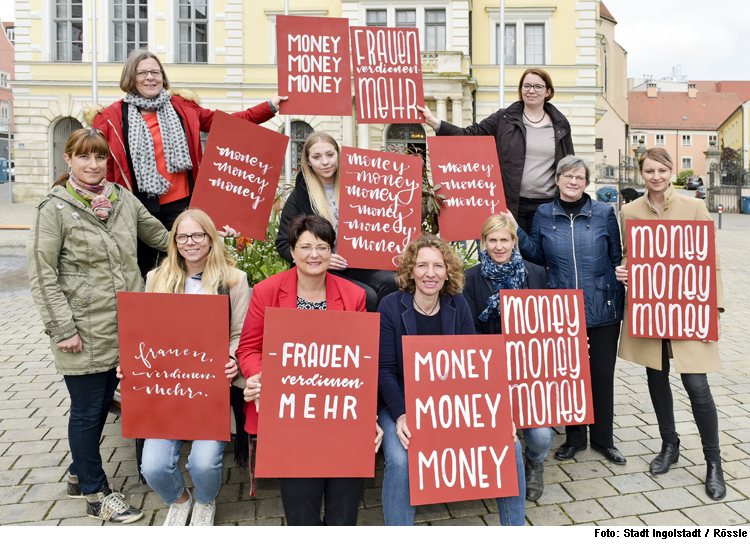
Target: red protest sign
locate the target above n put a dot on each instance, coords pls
(387, 74)
(239, 173)
(313, 64)
(380, 206)
(547, 357)
(173, 384)
(320, 381)
(672, 280)
(466, 171)
(458, 413)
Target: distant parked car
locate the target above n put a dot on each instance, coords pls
(701, 192)
(693, 183)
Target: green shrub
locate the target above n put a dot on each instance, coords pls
(683, 177)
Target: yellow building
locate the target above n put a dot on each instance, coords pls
(734, 133)
(225, 51)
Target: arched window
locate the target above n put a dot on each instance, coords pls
(300, 131)
(60, 135)
(406, 138)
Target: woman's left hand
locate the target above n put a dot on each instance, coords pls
(252, 390)
(378, 435)
(276, 100)
(718, 336)
(228, 232)
(621, 274)
(231, 370)
(73, 345)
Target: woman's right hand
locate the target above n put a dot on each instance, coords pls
(430, 119)
(337, 262)
(403, 431)
(73, 345)
(252, 390)
(513, 219)
(621, 273)
(118, 372)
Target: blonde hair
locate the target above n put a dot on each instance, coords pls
(171, 274)
(495, 223)
(315, 190)
(127, 79)
(455, 281)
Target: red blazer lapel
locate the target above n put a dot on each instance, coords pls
(333, 295)
(288, 290)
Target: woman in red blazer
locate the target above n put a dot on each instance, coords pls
(307, 286)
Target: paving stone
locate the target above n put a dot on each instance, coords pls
(679, 477)
(34, 447)
(81, 522)
(373, 498)
(459, 522)
(12, 477)
(264, 488)
(627, 505)
(555, 474)
(235, 511)
(229, 493)
(431, 512)
(742, 507)
(714, 514)
(6, 462)
(547, 515)
(49, 491)
(270, 507)
(672, 518)
(68, 508)
(629, 521)
(673, 499)
(637, 482)
(583, 511)
(39, 460)
(267, 522)
(699, 491)
(590, 488)
(553, 494)
(45, 475)
(45, 523)
(12, 495)
(586, 470)
(632, 448)
(467, 508)
(18, 513)
(23, 435)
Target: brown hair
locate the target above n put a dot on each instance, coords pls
(658, 154)
(496, 223)
(84, 141)
(127, 79)
(319, 226)
(455, 281)
(545, 77)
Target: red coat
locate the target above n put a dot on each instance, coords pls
(280, 291)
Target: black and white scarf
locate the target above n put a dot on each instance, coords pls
(141, 143)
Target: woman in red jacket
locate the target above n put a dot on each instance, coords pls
(155, 141)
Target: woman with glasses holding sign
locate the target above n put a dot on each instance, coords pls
(579, 241)
(532, 136)
(306, 286)
(155, 140)
(692, 358)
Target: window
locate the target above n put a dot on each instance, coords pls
(192, 25)
(4, 110)
(660, 140)
(534, 44)
(609, 172)
(68, 21)
(687, 163)
(377, 18)
(129, 27)
(4, 80)
(510, 44)
(406, 18)
(300, 130)
(10, 32)
(687, 140)
(599, 145)
(634, 140)
(434, 22)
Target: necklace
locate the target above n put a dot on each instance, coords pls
(423, 311)
(534, 122)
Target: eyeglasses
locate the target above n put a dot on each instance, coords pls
(306, 249)
(197, 238)
(155, 73)
(529, 86)
(576, 178)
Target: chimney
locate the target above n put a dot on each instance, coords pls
(692, 91)
(651, 90)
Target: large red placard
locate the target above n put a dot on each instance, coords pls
(381, 206)
(239, 174)
(387, 74)
(318, 409)
(174, 385)
(672, 280)
(547, 357)
(466, 171)
(458, 413)
(313, 65)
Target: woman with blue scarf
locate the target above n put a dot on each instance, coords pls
(501, 267)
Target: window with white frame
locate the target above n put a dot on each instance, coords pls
(10, 32)
(4, 80)
(634, 140)
(510, 43)
(714, 138)
(377, 18)
(68, 29)
(129, 27)
(4, 109)
(434, 27)
(687, 140)
(406, 18)
(530, 27)
(599, 144)
(687, 163)
(192, 31)
(660, 141)
(534, 44)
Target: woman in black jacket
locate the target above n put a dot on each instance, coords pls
(316, 191)
(501, 267)
(532, 136)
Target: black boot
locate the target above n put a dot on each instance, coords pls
(534, 480)
(715, 487)
(670, 453)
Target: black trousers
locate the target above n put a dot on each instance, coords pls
(602, 357)
(701, 401)
(527, 210)
(302, 499)
(377, 284)
(149, 258)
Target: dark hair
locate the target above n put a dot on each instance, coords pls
(319, 226)
(544, 76)
(84, 141)
(127, 79)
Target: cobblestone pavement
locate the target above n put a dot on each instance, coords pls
(34, 450)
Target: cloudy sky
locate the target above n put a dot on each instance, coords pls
(709, 38)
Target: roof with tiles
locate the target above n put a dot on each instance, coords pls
(675, 110)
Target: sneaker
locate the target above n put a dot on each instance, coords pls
(74, 488)
(178, 513)
(203, 514)
(111, 506)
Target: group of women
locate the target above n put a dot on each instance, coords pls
(131, 177)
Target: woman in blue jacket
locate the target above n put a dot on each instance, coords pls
(579, 240)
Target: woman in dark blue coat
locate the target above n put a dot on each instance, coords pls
(501, 267)
(579, 240)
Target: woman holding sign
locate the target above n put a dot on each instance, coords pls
(306, 286)
(501, 267)
(532, 136)
(316, 191)
(428, 303)
(579, 240)
(81, 252)
(692, 358)
(155, 140)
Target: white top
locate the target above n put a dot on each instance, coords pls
(193, 285)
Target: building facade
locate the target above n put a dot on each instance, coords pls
(7, 74)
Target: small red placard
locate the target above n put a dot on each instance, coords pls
(466, 171)
(239, 174)
(458, 413)
(387, 74)
(318, 409)
(313, 65)
(381, 207)
(672, 280)
(547, 357)
(174, 385)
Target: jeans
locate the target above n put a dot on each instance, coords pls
(159, 467)
(397, 508)
(302, 498)
(90, 398)
(538, 442)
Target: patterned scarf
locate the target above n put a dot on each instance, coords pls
(141, 143)
(96, 195)
(509, 276)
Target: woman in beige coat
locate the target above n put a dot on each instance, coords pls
(692, 358)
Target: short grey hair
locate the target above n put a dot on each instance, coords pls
(572, 163)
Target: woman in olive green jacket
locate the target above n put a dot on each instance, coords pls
(82, 250)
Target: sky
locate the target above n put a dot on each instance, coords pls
(708, 38)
